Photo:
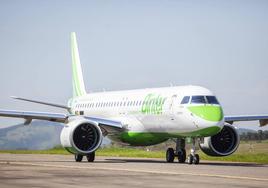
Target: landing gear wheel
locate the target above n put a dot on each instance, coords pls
(182, 156)
(91, 157)
(196, 159)
(170, 155)
(78, 157)
(190, 159)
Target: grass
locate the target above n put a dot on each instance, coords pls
(261, 158)
(247, 152)
(130, 152)
(56, 150)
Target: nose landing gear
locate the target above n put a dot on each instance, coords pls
(193, 158)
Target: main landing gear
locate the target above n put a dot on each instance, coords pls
(180, 153)
(90, 157)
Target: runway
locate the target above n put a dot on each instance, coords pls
(32, 170)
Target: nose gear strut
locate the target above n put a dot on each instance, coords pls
(193, 158)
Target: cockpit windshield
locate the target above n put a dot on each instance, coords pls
(212, 100)
(199, 99)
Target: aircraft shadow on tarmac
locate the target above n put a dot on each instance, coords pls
(210, 163)
(127, 160)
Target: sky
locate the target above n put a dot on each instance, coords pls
(221, 45)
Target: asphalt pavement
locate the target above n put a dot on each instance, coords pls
(39, 170)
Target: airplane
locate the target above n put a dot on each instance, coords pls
(141, 117)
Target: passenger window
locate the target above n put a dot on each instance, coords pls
(185, 100)
(212, 100)
(198, 100)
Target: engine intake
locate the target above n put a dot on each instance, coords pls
(224, 143)
(81, 136)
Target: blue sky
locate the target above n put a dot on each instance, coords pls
(221, 45)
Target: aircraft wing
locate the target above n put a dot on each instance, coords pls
(263, 119)
(107, 126)
(29, 116)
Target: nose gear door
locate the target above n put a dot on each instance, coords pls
(172, 107)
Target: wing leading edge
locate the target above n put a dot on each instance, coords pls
(41, 102)
(29, 116)
(263, 119)
(109, 126)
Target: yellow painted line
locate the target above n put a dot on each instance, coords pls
(138, 171)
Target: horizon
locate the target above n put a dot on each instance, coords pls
(143, 44)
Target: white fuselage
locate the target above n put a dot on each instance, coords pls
(146, 110)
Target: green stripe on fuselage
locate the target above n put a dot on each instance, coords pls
(143, 138)
(147, 138)
(207, 112)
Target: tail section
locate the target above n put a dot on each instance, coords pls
(78, 81)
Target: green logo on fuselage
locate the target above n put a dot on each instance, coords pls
(153, 104)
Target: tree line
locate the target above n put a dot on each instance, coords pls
(256, 136)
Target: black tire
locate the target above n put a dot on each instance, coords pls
(91, 157)
(190, 159)
(196, 159)
(182, 156)
(78, 157)
(170, 155)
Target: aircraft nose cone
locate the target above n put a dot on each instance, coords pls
(208, 112)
